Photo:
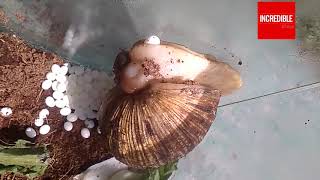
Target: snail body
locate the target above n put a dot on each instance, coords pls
(164, 103)
(169, 62)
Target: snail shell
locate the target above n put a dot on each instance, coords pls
(160, 124)
(164, 102)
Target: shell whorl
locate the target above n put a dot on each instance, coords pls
(160, 124)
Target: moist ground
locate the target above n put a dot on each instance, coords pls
(22, 70)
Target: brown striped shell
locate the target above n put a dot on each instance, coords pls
(159, 124)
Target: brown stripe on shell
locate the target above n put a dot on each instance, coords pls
(160, 124)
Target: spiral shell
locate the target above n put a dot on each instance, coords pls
(158, 125)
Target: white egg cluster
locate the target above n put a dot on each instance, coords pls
(77, 92)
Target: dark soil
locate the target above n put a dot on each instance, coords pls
(22, 70)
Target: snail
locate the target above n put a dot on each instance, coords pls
(164, 102)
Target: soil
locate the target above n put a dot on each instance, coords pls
(22, 70)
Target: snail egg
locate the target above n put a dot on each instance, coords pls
(44, 129)
(155, 40)
(38, 122)
(65, 111)
(57, 95)
(63, 70)
(68, 126)
(50, 101)
(46, 84)
(60, 103)
(55, 68)
(85, 133)
(51, 76)
(30, 132)
(61, 78)
(72, 117)
(43, 113)
(61, 87)
(54, 85)
(6, 111)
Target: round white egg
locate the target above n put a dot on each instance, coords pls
(54, 85)
(55, 68)
(61, 87)
(61, 78)
(30, 132)
(57, 95)
(51, 76)
(63, 70)
(72, 117)
(46, 84)
(68, 126)
(45, 129)
(85, 133)
(38, 122)
(60, 103)
(43, 113)
(50, 101)
(65, 111)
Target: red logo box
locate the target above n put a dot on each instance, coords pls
(276, 20)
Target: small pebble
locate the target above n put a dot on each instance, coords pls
(54, 85)
(68, 126)
(30, 132)
(57, 95)
(55, 68)
(46, 84)
(85, 133)
(44, 129)
(60, 103)
(50, 101)
(72, 117)
(89, 124)
(63, 70)
(43, 113)
(6, 111)
(65, 111)
(38, 122)
(51, 76)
